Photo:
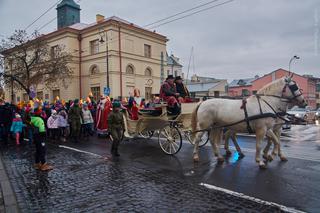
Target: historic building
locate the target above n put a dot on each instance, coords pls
(205, 87)
(110, 53)
(173, 66)
(241, 87)
(248, 87)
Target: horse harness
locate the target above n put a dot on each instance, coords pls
(275, 114)
(293, 88)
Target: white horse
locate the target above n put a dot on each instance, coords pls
(276, 130)
(214, 114)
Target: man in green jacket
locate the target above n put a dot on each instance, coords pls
(39, 134)
(75, 116)
(116, 127)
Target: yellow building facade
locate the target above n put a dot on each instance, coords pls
(128, 55)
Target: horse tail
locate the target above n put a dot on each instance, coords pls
(194, 120)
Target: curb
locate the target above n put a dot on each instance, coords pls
(9, 199)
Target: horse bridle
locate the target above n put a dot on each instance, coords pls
(293, 88)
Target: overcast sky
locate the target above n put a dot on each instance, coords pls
(237, 40)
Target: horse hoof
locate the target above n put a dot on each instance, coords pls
(283, 159)
(228, 153)
(270, 158)
(262, 166)
(241, 155)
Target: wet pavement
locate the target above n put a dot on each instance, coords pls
(144, 179)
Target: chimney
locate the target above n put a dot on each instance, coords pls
(99, 18)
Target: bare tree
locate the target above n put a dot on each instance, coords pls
(28, 61)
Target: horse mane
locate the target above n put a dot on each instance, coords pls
(273, 88)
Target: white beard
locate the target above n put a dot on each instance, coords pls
(102, 104)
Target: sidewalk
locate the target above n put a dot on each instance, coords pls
(8, 202)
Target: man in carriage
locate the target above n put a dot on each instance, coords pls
(168, 93)
(182, 90)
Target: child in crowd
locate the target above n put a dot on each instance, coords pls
(87, 120)
(63, 124)
(17, 127)
(52, 124)
(116, 127)
(39, 134)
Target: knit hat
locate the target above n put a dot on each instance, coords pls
(116, 104)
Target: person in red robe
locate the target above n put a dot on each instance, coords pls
(103, 110)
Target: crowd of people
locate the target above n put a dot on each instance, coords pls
(35, 121)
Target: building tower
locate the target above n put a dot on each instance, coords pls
(68, 13)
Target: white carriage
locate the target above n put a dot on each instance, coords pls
(170, 129)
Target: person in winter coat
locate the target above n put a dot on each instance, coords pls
(168, 92)
(116, 127)
(6, 116)
(87, 121)
(75, 116)
(39, 133)
(52, 124)
(63, 124)
(17, 127)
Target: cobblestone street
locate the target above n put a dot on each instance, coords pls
(84, 183)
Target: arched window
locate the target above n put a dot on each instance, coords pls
(148, 72)
(130, 69)
(94, 69)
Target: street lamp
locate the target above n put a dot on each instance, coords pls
(293, 58)
(101, 40)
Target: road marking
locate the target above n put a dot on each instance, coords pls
(305, 156)
(257, 200)
(288, 155)
(78, 150)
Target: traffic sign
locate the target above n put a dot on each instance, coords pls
(106, 91)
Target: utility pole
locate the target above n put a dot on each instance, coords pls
(107, 60)
(162, 68)
(12, 92)
(102, 33)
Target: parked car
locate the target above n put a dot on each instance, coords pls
(298, 113)
(302, 113)
(286, 126)
(317, 115)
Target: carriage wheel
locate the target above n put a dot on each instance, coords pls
(204, 139)
(146, 134)
(170, 139)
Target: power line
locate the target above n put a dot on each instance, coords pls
(43, 14)
(47, 24)
(182, 12)
(190, 14)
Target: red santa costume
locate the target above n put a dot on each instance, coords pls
(103, 110)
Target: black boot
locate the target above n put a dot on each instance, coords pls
(112, 149)
(116, 153)
(115, 149)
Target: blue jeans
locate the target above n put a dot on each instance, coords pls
(30, 135)
(88, 128)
